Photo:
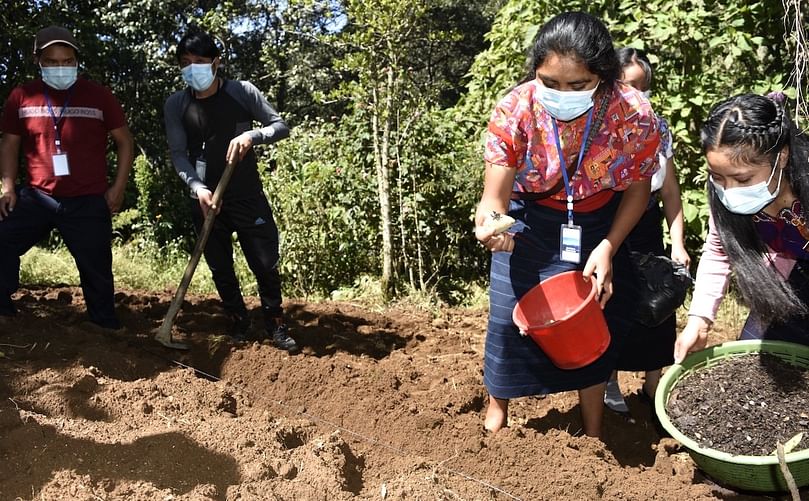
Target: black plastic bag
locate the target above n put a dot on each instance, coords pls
(663, 287)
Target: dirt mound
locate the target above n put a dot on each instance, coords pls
(380, 405)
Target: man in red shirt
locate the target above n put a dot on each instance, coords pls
(62, 124)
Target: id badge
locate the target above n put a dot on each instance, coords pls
(60, 165)
(200, 167)
(570, 243)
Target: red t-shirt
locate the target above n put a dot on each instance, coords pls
(92, 111)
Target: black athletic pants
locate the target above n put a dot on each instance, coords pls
(252, 221)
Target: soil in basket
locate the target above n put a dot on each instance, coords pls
(743, 405)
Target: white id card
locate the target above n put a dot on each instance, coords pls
(60, 166)
(570, 243)
(201, 167)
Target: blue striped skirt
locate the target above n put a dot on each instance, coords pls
(514, 366)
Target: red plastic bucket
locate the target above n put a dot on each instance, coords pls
(562, 316)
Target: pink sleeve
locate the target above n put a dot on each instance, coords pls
(713, 274)
(782, 264)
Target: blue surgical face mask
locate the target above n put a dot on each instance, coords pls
(749, 200)
(59, 77)
(566, 105)
(198, 76)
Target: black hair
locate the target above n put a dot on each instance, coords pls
(197, 43)
(754, 129)
(627, 56)
(579, 35)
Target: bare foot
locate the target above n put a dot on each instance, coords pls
(496, 414)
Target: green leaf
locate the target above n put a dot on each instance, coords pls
(689, 212)
(742, 45)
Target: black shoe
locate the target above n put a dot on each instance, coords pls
(240, 328)
(282, 340)
(7, 308)
(108, 329)
(658, 426)
(110, 323)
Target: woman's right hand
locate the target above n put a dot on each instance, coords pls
(693, 338)
(680, 255)
(485, 233)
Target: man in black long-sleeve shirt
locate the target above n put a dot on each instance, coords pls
(208, 123)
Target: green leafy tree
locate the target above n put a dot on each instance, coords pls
(702, 50)
(384, 94)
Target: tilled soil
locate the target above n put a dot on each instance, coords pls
(380, 405)
(744, 405)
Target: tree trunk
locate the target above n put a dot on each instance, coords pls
(381, 133)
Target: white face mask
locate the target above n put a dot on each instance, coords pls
(198, 76)
(566, 105)
(749, 200)
(647, 94)
(59, 77)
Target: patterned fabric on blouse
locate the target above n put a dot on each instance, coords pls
(666, 151)
(625, 149)
(786, 234)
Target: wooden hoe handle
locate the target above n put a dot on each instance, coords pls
(163, 335)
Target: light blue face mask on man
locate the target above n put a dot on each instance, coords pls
(59, 77)
(198, 76)
(748, 200)
(566, 105)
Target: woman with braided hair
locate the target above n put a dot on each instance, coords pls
(572, 146)
(758, 166)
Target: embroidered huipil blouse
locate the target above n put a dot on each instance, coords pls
(624, 149)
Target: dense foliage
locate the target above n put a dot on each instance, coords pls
(702, 51)
(388, 99)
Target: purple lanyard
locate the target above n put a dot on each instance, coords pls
(57, 121)
(563, 164)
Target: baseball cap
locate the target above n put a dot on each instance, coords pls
(51, 35)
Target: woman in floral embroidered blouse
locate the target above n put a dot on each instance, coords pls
(758, 166)
(570, 131)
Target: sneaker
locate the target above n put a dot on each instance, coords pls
(7, 308)
(240, 328)
(649, 400)
(281, 339)
(614, 399)
(111, 323)
(105, 330)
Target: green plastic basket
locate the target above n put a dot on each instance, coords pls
(754, 473)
